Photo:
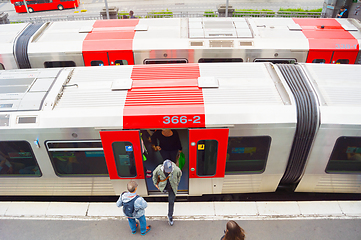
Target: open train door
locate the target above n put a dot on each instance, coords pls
(123, 155)
(207, 160)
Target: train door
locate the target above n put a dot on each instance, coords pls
(123, 155)
(344, 57)
(124, 57)
(319, 56)
(335, 57)
(207, 160)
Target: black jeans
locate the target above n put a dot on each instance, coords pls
(171, 155)
(171, 199)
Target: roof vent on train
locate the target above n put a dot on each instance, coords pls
(86, 29)
(219, 28)
(208, 82)
(25, 91)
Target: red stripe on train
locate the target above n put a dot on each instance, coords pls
(164, 96)
(110, 40)
(327, 36)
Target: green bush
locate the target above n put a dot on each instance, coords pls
(253, 13)
(161, 14)
(121, 14)
(209, 13)
(298, 12)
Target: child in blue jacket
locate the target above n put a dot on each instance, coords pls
(139, 205)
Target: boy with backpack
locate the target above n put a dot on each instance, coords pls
(133, 208)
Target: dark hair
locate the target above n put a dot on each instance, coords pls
(131, 13)
(343, 7)
(234, 231)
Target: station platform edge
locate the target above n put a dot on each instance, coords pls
(186, 210)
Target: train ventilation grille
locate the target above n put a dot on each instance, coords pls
(219, 28)
(22, 120)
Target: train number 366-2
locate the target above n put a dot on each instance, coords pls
(181, 119)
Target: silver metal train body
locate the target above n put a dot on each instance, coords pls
(244, 128)
(179, 40)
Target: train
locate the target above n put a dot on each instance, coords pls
(244, 128)
(179, 40)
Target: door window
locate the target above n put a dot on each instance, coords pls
(124, 159)
(97, 63)
(319, 61)
(342, 61)
(121, 62)
(207, 157)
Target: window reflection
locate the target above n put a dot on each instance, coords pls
(17, 158)
(207, 157)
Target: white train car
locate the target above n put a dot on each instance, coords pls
(244, 127)
(181, 40)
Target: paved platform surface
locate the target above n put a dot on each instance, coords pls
(187, 210)
(201, 220)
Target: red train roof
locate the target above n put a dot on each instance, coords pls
(326, 34)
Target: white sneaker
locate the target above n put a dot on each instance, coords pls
(170, 221)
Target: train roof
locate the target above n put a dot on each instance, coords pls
(188, 33)
(147, 96)
(25, 90)
(338, 89)
(8, 33)
(126, 96)
(67, 36)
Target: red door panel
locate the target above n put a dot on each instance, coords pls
(116, 56)
(197, 135)
(109, 138)
(350, 55)
(312, 55)
(95, 56)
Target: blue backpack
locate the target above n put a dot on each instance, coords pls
(128, 207)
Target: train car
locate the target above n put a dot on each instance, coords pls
(244, 128)
(183, 40)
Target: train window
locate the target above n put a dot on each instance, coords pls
(247, 154)
(319, 61)
(124, 159)
(342, 61)
(77, 158)
(17, 158)
(346, 156)
(96, 63)
(207, 157)
(55, 64)
(121, 62)
(215, 60)
(2, 66)
(278, 60)
(165, 61)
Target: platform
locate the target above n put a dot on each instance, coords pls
(187, 210)
(192, 220)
